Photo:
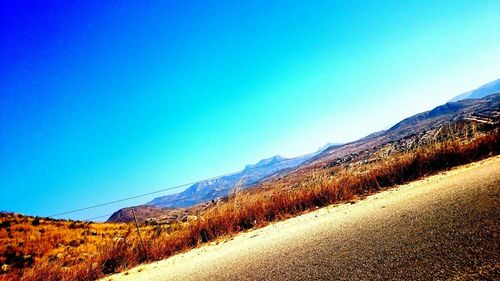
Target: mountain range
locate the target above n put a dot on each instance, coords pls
(481, 92)
(465, 114)
(220, 187)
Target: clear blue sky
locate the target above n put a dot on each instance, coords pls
(100, 101)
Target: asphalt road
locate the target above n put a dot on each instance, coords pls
(444, 227)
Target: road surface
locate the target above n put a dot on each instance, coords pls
(443, 227)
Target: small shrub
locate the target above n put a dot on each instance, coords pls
(5, 224)
(35, 222)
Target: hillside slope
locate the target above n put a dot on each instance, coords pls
(460, 119)
(490, 88)
(441, 227)
(196, 198)
(216, 188)
(464, 119)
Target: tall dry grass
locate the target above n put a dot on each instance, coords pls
(259, 207)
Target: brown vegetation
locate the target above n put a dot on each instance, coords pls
(117, 247)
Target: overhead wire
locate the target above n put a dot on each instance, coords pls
(157, 191)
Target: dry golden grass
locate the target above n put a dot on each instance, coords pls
(26, 242)
(116, 247)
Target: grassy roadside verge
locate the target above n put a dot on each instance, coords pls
(256, 208)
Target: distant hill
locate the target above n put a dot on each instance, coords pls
(459, 119)
(220, 187)
(481, 92)
(141, 212)
(164, 215)
(166, 207)
(191, 201)
(269, 161)
(448, 108)
(448, 121)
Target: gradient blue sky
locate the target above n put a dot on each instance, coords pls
(100, 101)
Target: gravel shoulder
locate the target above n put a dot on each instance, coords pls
(445, 226)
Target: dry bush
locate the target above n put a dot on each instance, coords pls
(243, 210)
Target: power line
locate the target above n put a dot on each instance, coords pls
(120, 200)
(98, 217)
(147, 205)
(159, 191)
